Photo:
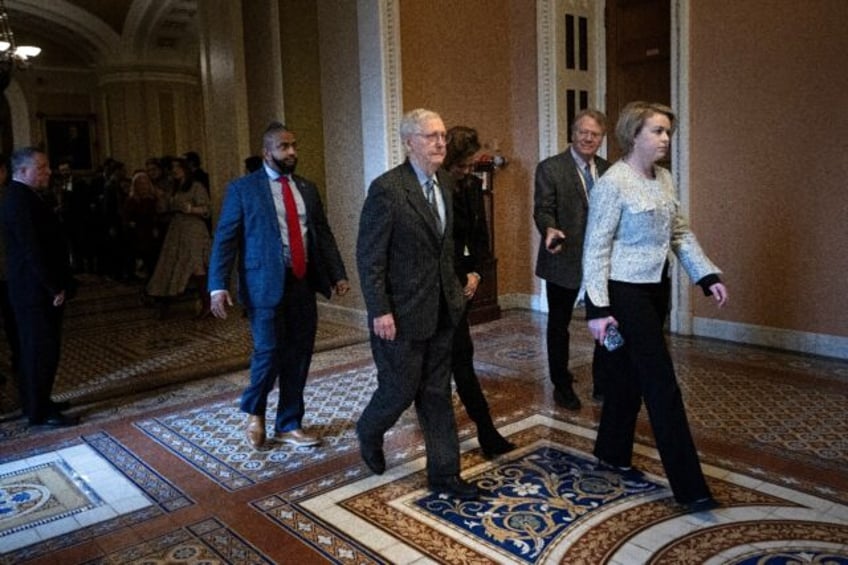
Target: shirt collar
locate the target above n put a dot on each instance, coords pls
(272, 174)
(579, 160)
(422, 176)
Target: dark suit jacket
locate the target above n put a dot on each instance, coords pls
(560, 201)
(37, 261)
(470, 232)
(404, 263)
(248, 227)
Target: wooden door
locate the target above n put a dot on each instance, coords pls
(638, 57)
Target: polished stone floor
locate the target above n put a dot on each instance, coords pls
(163, 475)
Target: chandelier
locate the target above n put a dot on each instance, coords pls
(12, 55)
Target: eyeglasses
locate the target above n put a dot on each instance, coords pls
(434, 137)
(589, 134)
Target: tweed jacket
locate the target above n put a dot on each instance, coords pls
(405, 264)
(560, 201)
(634, 224)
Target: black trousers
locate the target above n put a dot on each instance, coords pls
(642, 369)
(10, 327)
(560, 311)
(415, 371)
(40, 339)
(467, 383)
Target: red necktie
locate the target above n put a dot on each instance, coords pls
(298, 256)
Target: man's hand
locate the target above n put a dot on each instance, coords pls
(384, 327)
(554, 239)
(341, 287)
(219, 302)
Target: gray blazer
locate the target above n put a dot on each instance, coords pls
(404, 263)
(560, 202)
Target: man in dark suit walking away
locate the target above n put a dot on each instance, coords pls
(40, 281)
(404, 254)
(274, 222)
(561, 206)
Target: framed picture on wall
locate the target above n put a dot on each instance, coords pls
(71, 138)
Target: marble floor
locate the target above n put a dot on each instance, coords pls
(163, 475)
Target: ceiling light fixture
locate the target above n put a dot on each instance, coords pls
(12, 55)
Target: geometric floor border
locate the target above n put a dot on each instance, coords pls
(211, 437)
(352, 516)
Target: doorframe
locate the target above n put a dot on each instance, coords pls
(682, 309)
(550, 124)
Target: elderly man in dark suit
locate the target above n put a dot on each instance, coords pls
(561, 206)
(404, 253)
(40, 281)
(273, 220)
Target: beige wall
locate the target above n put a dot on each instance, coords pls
(56, 93)
(767, 93)
(302, 86)
(769, 100)
(474, 62)
(768, 112)
(151, 118)
(135, 115)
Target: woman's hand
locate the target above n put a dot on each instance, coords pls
(473, 281)
(719, 292)
(598, 327)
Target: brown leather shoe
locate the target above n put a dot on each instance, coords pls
(297, 437)
(256, 431)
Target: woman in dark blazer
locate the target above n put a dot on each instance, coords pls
(471, 245)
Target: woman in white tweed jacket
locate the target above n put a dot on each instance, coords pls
(634, 222)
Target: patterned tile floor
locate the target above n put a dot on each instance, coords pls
(163, 475)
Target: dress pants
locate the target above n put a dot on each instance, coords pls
(642, 369)
(40, 341)
(10, 327)
(283, 341)
(415, 371)
(560, 309)
(462, 367)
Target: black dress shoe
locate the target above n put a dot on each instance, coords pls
(701, 505)
(567, 399)
(493, 448)
(57, 420)
(373, 457)
(455, 487)
(627, 473)
(60, 406)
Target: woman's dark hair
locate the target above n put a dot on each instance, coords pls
(462, 143)
(185, 186)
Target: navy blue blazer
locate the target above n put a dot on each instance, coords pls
(248, 230)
